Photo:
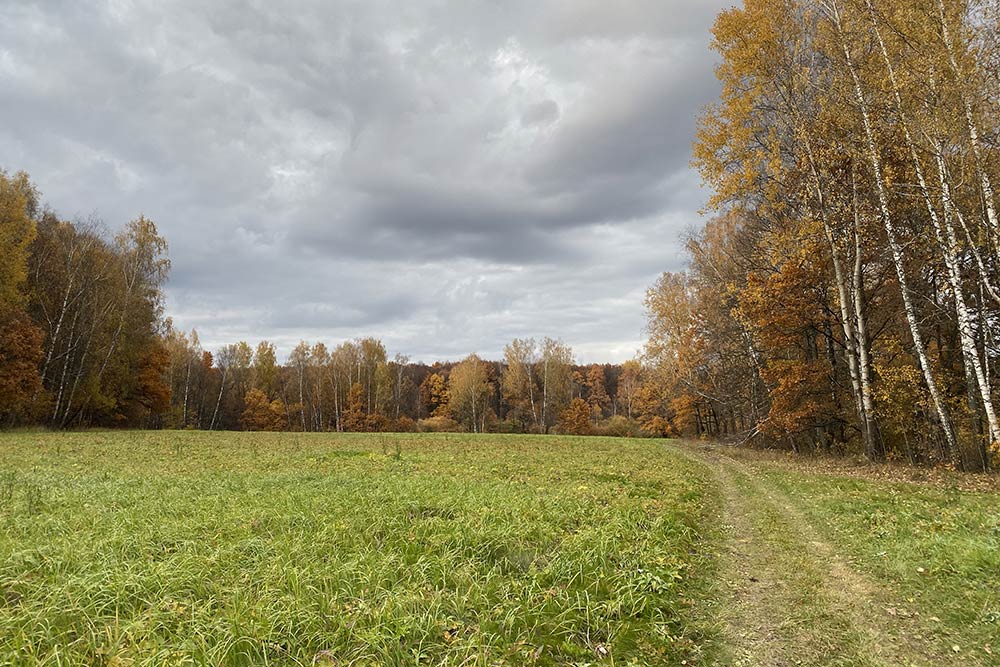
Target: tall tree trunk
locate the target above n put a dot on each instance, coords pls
(218, 401)
(302, 400)
(895, 247)
(531, 395)
(336, 403)
(847, 313)
(864, 342)
(545, 396)
(944, 233)
(474, 423)
(965, 329)
(187, 386)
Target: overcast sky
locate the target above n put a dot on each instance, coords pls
(445, 176)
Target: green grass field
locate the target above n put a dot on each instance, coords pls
(166, 548)
(183, 548)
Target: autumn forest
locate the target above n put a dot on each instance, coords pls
(84, 342)
(843, 296)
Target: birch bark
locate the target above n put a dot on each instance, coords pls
(895, 247)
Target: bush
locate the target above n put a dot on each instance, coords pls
(404, 425)
(377, 423)
(618, 426)
(439, 424)
(507, 426)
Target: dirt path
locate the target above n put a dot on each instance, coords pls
(788, 597)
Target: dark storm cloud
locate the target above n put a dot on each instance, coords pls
(444, 175)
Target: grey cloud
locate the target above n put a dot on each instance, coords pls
(540, 113)
(446, 175)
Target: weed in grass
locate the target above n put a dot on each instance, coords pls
(34, 499)
(8, 479)
(393, 451)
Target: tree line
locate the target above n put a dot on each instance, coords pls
(845, 294)
(358, 386)
(84, 343)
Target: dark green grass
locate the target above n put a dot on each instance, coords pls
(177, 548)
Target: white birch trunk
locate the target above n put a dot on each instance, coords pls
(896, 249)
(847, 314)
(946, 237)
(965, 328)
(222, 388)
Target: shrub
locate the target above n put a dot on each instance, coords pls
(404, 425)
(439, 424)
(618, 426)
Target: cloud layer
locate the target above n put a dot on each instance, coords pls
(446, 176)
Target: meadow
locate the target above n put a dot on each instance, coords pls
(195, 548)
(184, 548)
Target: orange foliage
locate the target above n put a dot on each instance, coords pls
(261, 414)
(20, 354)
(575, 419)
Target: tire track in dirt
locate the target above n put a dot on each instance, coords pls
(790, 598)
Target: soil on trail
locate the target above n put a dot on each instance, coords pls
(788, 597)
